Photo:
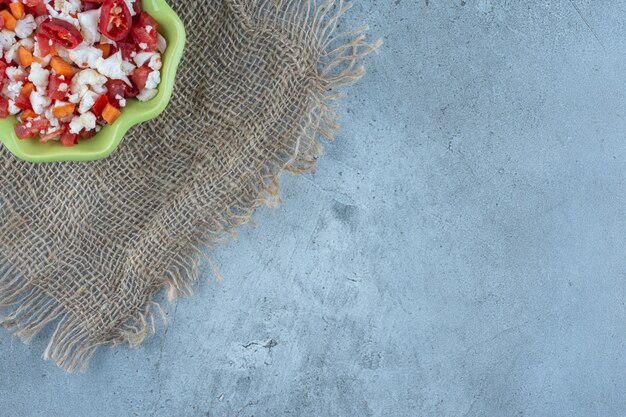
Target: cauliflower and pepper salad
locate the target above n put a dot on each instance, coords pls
(67, 67)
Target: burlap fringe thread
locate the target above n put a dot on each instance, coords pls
(71, 346)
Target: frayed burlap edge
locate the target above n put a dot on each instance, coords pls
(71, 346)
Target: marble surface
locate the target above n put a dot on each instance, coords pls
(459, 252)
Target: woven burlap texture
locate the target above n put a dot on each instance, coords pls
(85, 247)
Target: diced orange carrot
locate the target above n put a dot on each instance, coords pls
(28, 114)
(105, 48)
(9, 20)
(24, 55)
(17, 10)
(63, 111)
(110, 114)
(61, 67)
(27, 89)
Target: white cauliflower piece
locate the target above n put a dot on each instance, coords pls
(63, 52)
(161, 43)
(12, 89)
(127, 67)
(85, 121)
(54, 122)
(154, 78)
(152, 58)
(147, 94)
(87, 80)
(87, 102)
(15, 73)
(39, 101)
(121, 100)
(39, 19)
(85, 56)
(38, 76)
(59, 14)
(25, 27)
(7, 39)
(89, 25)
(13, 109)
(67, 6)
(74, 98)
(112, 67)
(11, 54)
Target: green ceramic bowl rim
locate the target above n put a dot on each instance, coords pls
(173, 30)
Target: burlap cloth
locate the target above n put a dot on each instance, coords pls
(86, 246)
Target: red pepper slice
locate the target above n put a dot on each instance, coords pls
(116, 88)
(4, 107)
(67, 138)
(115, 19)
(87, 134)
(37, 7)
(91, 5)
(100, 105)
(144, 32)
(61, 32)
(23, 102)
(45, 44)
(30, 129)
(56, 88)
(140, 76)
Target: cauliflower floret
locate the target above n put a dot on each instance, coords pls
(39, 19)
(147, 94)
(63, 53)
(129, 4)
(25, 27)
(87, 102)
(54, 122)
(121, 100)
(86, 80)
(12, 89)
(7, 39)
(152, 58)
(38, 76)
(39, 101)
(128, 68)
(85, 56)
(154, 78)
(15, 73)
(89, 25)
(11, 54)
(60, 14)
(85, 121)
(67, 6)
(161, 43)
(13, 109)
(112, 67)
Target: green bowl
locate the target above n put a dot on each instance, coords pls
(107, 140)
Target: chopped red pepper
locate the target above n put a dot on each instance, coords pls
(61, 32)
(115, 19)
(100, 105)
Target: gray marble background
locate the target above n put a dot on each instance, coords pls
(459, 252)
